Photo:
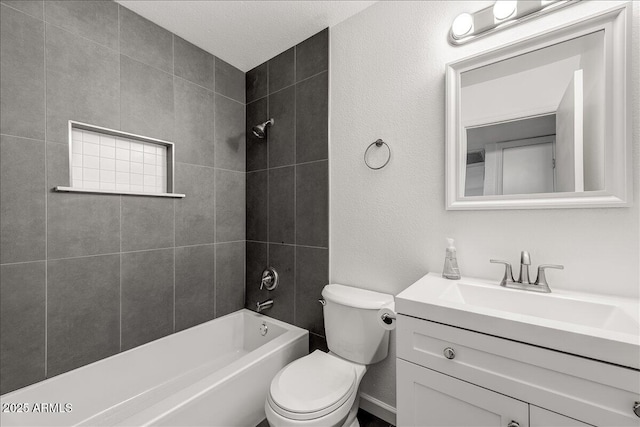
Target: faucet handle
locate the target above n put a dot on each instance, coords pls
(541, 280)
(508, 274)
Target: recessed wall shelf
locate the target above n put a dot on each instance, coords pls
(108, 161)
(61, 189)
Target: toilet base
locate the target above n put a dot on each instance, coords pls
(351, 419)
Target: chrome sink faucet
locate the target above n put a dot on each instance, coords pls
(524, 282)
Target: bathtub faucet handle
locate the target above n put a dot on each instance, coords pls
(269, 279)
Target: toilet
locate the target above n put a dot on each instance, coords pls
(321, 389)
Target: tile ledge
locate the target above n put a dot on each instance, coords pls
(62, 189)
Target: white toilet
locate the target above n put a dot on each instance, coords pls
(321, 389)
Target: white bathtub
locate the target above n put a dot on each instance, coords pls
(215, 374)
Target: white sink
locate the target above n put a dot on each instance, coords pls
(596, 326)
(545, 306)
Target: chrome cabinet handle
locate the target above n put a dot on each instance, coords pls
(513, 423)
(449, 353)
(636, 409)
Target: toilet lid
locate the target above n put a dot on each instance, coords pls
(313, 383)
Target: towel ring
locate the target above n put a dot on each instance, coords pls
(378, 143)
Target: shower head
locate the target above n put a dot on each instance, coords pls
(261, 130)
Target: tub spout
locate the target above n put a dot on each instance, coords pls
(261, 306)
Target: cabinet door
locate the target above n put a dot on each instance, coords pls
(542, 418)
(429, 398)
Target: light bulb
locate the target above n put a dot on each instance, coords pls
(462, 25)
(503, 9)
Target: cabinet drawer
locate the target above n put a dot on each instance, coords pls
(591, 391)
(430, 399)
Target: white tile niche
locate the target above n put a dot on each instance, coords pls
(108, 161)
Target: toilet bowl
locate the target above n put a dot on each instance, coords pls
(321, 389)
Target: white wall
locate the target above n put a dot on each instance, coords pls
(533, 91)
(388, 227)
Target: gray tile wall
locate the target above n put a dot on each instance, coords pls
(84, 276)
(287, 183)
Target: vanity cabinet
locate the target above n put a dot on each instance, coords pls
(453, 376)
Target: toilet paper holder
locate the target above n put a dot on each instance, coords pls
(388, 318)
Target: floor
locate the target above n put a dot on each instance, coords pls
(366, 420)
(369, 420)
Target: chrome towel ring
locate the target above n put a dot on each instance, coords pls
(378, 143)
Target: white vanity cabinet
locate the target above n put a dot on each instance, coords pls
(449, 376)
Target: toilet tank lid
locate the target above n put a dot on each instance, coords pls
(356, 297)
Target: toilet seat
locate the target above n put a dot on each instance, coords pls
(312, 386)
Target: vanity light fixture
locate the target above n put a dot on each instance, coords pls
(462, 25)
(503, 13)
(504, 9)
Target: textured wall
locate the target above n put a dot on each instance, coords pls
(86, 276)
(388, 227)
(287, 183)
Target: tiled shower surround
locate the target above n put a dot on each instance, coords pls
(85, 276)
(287, 183)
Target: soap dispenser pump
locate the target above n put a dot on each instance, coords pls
(451, 270)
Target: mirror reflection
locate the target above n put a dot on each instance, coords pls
(534, 123)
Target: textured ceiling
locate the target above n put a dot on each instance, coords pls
(245, 33)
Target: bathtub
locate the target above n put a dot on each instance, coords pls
(216, 373)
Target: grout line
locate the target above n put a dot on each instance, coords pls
(27, 262)
(288, 244)
(174, 265)
(120, 275)
(23, 12)
(119, 32)
(120, 197)
(295, 184)
(268, 138)
(229, 98)
(215, 279)
(215, 238)
(46, 211)
(288, 166)
(119, 83)
(286, 87)
(35, 139)
(173, 84)
(81, 36)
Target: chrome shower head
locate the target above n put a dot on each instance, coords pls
(260, 130)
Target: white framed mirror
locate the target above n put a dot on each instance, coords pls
(543, 122)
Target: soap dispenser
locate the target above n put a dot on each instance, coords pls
(451, 270)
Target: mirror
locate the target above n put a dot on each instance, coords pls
(543, 122)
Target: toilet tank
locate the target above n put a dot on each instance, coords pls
(351, 324)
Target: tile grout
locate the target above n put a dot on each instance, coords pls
(124, 252)
(288, 166)
(295, 183)
(286, 244)
(286, 87)
(120, 127)
(46, 209)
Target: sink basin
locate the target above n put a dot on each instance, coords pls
(595, 326)
(544, 306)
